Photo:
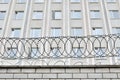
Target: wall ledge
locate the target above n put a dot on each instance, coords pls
(60, 66)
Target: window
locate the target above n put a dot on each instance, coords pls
(2, 14)
(75, 0)
(4, 1)
(37, 15)
(95, 14)
(35, 32)
(55, 52)
(55, 32)
(21, 1)
(56, 14)
(99, 51)
(35, 52)
(111, 0)
(117, 50)
(75, 14)
(114, 14)
(11, 52)
(19, 14)
(0, 32)
(15, 32)
(57, 0)
(116, 30)
(76, 31)
(97, 31)
(39, 1)
(93, 0)
(77, 52)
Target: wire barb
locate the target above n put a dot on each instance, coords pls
(60, 47)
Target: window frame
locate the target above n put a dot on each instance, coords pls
(0, 30)
(32, 33)
(36, 17)
(95, 14)
(117, 50)
(11, 54)
(111, 1)
(75, 1)
(54, 1)
(54, 14)
(75, 54)
(39, 2)
(73, 16)
(2, 14)
(112, 14)
(92, 1)
(4, 2)
(98, 53)
(96, 33)
(13, 34)
(53, 32)
(115, 29)
(19, 15)
(20, 2)
(55, 54)
(76, 34)
(33, 54)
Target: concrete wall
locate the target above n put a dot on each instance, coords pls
(66, 23)
(59, 73)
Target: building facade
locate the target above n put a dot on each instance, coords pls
(59, 39)
(56, 18)
(39, 18)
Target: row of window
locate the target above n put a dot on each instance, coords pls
(75, 31)
(57, 14)
(41, 1)
(35, 52)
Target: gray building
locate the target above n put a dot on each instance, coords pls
(55, 18)
(59, 39)
(38, 18)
